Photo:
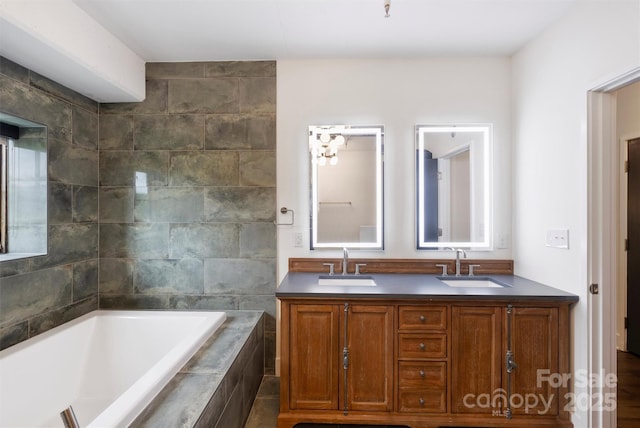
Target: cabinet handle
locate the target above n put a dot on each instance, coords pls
(423, 318)
(421, 373)
(422, 346)
(421, 401)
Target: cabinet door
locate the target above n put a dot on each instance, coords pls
(370, 371)
(314, 359)
(476, 362)
(534, 342)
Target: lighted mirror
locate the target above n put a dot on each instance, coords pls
(23, 183)
(346, 186)
(453, 186)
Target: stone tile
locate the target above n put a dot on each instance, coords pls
(24, 296)
(72, 164)
(135, 302)
(238, 132)
(214, 95)
(258, 240)
(266, 301)
(270, 352)
(270, 387)
(239, 276)
(168, 132)
(85, 279)
(116, 276)
(116, 204)
(264, 413)
(257, 168)
(217, 168)
(69, 243)
(149, 241)
(209, 417)
(13, 334)
(183, 276)
(60, 203)
(85, 128)
(59, 91)
(204, 241)
(53, 319)
(155, 101)
(85, 204)
(180, 403)
(116, 132)
(126, 168)
(175, 69)
(241, 69)
(237, 204)
(14, 267)
(202, 303)
(232, 416)
(15, 71)
(258, 95)
(34, 105)
(170, 204)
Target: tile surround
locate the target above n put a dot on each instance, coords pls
(164, 204)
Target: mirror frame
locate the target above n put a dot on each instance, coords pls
(347, 130)
(486, 129)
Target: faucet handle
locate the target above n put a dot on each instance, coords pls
(358, 266)
(331, 271)
(471, 269)
(444, 269)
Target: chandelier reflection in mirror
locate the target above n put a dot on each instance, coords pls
(324, 145)
(346, 196)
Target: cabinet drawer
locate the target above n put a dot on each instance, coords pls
(422, 345)
(428, 400)
(422, 375)
(422, 318)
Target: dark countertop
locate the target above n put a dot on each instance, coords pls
(420, 287)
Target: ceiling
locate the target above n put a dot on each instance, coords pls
(209, 30)
(99, 47)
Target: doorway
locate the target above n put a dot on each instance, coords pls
(632, 320)
(607, 230)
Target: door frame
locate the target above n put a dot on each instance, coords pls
(603, 216)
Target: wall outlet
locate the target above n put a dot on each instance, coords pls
(297, 239)
(503, 241)
(558, 238)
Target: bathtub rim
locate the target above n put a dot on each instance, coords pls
(121, 410)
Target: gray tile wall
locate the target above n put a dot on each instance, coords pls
(187, 192)
(40, 293)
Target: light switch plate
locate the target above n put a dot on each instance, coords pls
(558, 238)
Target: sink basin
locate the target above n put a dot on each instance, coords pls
(342, 280)
(467, 282)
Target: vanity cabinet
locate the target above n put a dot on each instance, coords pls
(340, 357)
(423, 364)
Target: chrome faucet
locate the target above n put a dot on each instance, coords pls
(345, 260)
(464, 255)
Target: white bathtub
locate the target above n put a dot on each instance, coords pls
(108, 365)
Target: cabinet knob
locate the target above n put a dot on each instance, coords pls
(422, 346)
(423, 318)
(421, 373)
(421, 401)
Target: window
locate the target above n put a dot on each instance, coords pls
(23, 186)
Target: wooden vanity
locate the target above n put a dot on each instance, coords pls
(411, 351)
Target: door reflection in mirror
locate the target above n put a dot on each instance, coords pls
(453, 186)
(346, 186)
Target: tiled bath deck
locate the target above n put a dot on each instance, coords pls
(216, 388)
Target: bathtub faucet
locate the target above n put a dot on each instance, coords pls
(69, 418)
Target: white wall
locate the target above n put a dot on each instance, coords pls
(398, 94)
(596, 41)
